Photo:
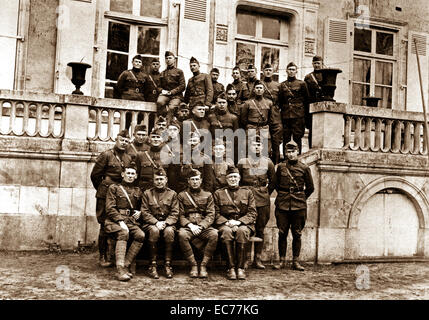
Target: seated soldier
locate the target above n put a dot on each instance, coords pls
(122, 220)
(235, 219)
(196, 216)
(160, 211)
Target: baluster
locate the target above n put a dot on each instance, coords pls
(407, 138)
(358, 133)
(51, 120)
(110, 123)
(424, 151)
(397, 136)
(145, 120)
(377, 135)
(63, 121)
(12, 113)
(38, 127)
(134, 116)
(417, 138)
(98, 124)
(347, 131)
(26, 117)
(387, 145)
(123, 119)
(366, 137)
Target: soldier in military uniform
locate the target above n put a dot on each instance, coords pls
(123, 202)
(294, 184)
(251, 79)
(106, 171)
(293, 101)
(221, 163)
(132, 83)
(153, 85)
(196, 216)
(197, 121)
(271, 92)
(218, 87)
(239, 86)
(258, 174)
(160, 212)
(172, 86)
(140, 141)
(315, 93)
(233, 107)
(199, 91)
(235, 219)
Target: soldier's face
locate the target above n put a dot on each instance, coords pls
(121, 142)
(231, 95)
(292, 154)
(194, 141)
(222, 104)
(219, 150)
(160, 181)
(155, 66)
(162, 125)
(233, 179)
(195, 182)
(251, 73)
(317, 65)
(137, 63)
(291, 71)
(155, 140)
(215, 76)
(170, 60)
(140, 136)
(194, 67)
(268, 72)
(199, 111)
(173, 132)
(259, 90)
(236, 74)
(256, 147)
(129, 175)
(183, 113)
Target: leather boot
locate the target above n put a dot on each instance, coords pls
(248, 261)
(231, 263)
(168, 255)
(242, 256)
(153, 273)
(103, 260)
(121, 249)
(194, 266)
(203, 267)
(258, 252)
(132, 252)
(296, 265)
(279, 264)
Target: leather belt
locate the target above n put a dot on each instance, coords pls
(291, 189)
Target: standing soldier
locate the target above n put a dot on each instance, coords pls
(251, 79)
(293, 101)
(294, 184)
(106, 171)
(313, 81)
(258, 174)
(233, 106)
(132, 83)
(218, 87)
(235, 219)
(239, 86)
(220, 164)
(153, 84)
(140, 141)
(172, 87)
(196, 216)
(122, 203)
(199, 91)
(160, 211)
(272, 93)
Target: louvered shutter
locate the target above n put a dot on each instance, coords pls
(337, 54)
(196, 10)
(414, 100)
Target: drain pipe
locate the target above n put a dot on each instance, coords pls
(319, 206)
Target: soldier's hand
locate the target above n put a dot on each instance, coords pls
(160, 225)
(195, 229)
(137, 214)
(123, 226)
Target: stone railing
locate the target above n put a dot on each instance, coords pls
(337, 125)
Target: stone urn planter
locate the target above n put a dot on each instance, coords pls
(78, 75)
(328, 83)
(371, 101)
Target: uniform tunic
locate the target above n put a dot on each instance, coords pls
(160, 205)
(153, 86)
(242, 91)
(199, 90)
(132, 84)
(173, 80)
(218, 88)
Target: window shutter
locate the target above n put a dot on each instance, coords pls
(414, 100)
(337, 55)
(196, 10)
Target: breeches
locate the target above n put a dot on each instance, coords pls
(241, 235)
(154, 233)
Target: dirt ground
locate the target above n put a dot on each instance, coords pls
(45, 275)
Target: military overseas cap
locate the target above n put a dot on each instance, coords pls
(258, 82)
(232, 170)
(123, 133)
(159, 172)
(155, 60)
(215, 70)
(174, 123)
(193, 60)
(256, 139)
(183, 105)
(221, 95)
(169, 53)
(140, 127)
(138, 57)
(230, 87)
(317, 58)
(156, 132)
(291, 64)
(267, 65)
(161, 119)
(250, 66)
(130, 165)
(194, 173)
(291, 145)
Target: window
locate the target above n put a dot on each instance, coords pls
(374, 63)
(134, 27)
(261, 39)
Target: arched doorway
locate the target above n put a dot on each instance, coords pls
(388, 226)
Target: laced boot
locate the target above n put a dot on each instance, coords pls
(279, 264)
(167, 264)
(194, 266)
(203, 267)
(153, 273)
(121, 248)
(231, 275)
(258, 252)
(296, 265)
(132, 252)
(242, 256)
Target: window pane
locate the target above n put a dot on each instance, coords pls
(271, 28)
(148, 40)
(119, 37)
(116, 63)
(246, 24)
(383, 73)
(151, 8)
(146, 64)
(361, 70)
(384, 43)
(362, 40)
(125, 6)
(385, 93)
(245, 55)
(270, 55)
(359, 91)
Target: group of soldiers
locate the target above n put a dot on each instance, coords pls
(148, 190)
